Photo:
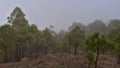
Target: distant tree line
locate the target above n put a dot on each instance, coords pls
(19, 39)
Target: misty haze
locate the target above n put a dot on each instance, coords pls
(60, 34)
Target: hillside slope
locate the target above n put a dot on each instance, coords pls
(61, 61)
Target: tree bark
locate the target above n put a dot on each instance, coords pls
(75, 51)
(5, 58)
(96, 60)
(36, 55)
(18, 52)
(118, 59)
(89, 65)
(69, 49)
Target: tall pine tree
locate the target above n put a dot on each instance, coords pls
(21, 26)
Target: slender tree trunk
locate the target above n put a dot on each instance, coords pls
(118, 59)
(17, 52)
(22, 53)
(36, 55)
(69, 48)
(31, 52)
(89, 65)
(5, 58)
(96, 60)
(45, 51)
(22, 50)
(75, 51)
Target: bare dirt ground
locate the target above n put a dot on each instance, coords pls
(62, 61)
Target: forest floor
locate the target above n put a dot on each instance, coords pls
(62, 61)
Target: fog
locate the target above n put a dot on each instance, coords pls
(61, 13)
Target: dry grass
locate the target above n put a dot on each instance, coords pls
(62, 61)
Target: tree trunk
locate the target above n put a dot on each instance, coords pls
(89, 65)
(31, 52)
(69, 48)
(118, 59)
(17, 52)
(5, 58)
(96, 60)
(36, 55)
(75, 51)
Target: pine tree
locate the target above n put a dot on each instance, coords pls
(95, 45)
(75, 38)
(21, 26)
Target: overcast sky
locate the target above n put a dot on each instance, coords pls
(61, 13)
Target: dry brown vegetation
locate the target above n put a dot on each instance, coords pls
(62, 61)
